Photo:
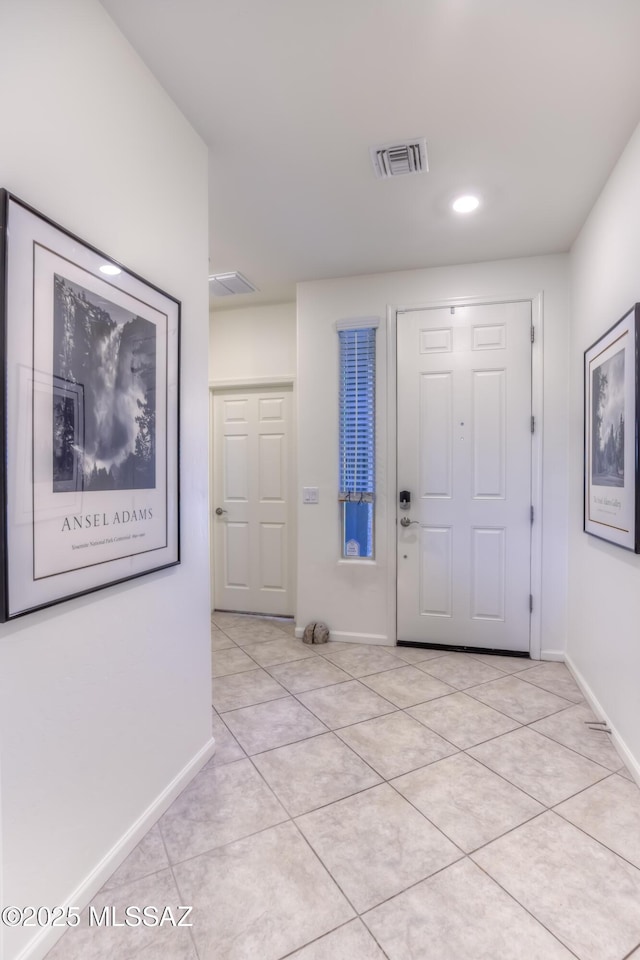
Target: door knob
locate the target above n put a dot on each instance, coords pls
(220, 511)
(405, 522)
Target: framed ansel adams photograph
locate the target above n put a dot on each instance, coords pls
(90, 472)
(611, 483)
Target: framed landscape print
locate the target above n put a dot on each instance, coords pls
(90, 473)
(611, 484)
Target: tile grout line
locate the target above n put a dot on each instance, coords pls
(353, 680)
(288, 743)
(428, 819)
(395, 776)
(329, 803)
(466, 854)
(403, 710)
(631, 952)
(583, 830)
(416, 883)
(258, 664)
(287, 693)
(325, 868)
(272, 790)
(387, 781)
(177, 886)
(522, 727)
(573, 750)
(214, 682)
(506, 779)
(463, 854)
(549, 808)
(526, 909)
(565, 705)
(229, 843)
(361, 915)
(235, 740)
(327, 934)
(506, 833)
(446, 739)
(568, 705)
(396, 708)
(540, 686)
(289, 818)
(317, 659)
(257, 703)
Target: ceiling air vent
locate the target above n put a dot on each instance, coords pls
(226, 284)
(396, 159)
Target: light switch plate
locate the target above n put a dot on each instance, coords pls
(310, 495)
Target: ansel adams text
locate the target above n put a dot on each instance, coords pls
(89, 520)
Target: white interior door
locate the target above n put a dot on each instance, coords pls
(252, 501)
(464, 454)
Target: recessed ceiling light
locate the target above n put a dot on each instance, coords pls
(110, 269)
(465, 204)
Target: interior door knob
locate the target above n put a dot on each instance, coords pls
(405, 522)
(220, 511)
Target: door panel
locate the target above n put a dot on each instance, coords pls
(236, 467)
(273, 565)
(252, 486)
(236, 563)
(436, 408)
(271, 467)
(488, 573)
(436, 586)
(488, 426)
(464, 452)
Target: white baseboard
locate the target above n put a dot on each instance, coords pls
(381, 640)
(558, 655)
(372, 638)
(39, 946)
(626, 756)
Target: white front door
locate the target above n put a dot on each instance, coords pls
(252, 501)
(464, 455)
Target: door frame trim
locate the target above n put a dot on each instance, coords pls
(537, 409)
(249, 383)
(245, 383)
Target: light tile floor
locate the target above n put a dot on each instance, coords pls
(368, 803)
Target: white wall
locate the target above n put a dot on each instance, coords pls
(106, 699)
(604, 581)
(249, 343)
(358, 598)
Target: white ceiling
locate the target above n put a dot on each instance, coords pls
(528, 103)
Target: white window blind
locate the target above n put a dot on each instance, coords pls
(357, 414)
(357, 438)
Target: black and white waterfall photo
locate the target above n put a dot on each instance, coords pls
(607, 426)
(104, 401)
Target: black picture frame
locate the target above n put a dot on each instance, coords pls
(611, 407)
(90, 417)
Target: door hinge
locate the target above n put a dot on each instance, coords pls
(533, 424)
(531, 513)
(530, 603)
(533, 334)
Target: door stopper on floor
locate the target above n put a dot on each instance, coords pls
(316, 633)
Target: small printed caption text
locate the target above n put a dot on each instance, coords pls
(130, 916)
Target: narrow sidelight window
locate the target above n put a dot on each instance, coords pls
(357, 439)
